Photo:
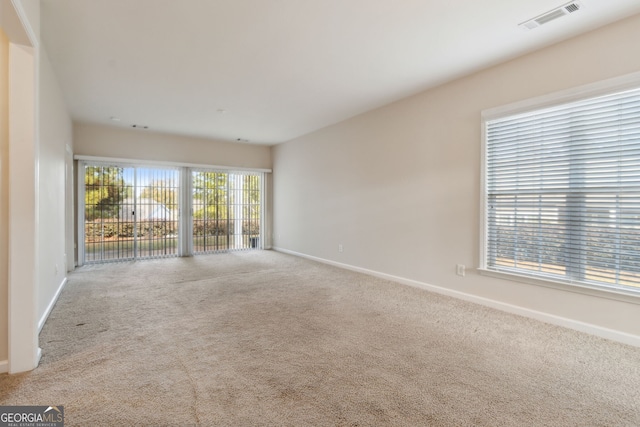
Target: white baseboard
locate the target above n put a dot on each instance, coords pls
(52, 303)
(577, 325)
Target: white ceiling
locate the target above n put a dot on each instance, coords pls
(268, 71)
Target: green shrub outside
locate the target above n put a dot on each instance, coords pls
(113, 229)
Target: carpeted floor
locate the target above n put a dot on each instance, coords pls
(266, 339)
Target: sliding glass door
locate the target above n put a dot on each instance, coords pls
(156, 212)
(130, 212)
(227, 211)
(107, 234)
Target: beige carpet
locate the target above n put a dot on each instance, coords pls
(266, 339)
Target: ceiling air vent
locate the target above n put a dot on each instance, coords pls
(572, 7)
(551, 15)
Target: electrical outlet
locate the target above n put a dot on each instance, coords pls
(460, 270)
(340, 247)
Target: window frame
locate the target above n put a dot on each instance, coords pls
(605, 87)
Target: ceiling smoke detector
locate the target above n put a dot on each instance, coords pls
(552, 15)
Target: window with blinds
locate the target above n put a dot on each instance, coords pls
(563, 192)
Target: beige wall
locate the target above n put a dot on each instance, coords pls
(399, 187)
(55, 133)
(31, 9)
(119, 142)
(4, 192)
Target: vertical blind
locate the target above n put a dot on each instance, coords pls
(563, 192)
(227, 210)
(129, 211)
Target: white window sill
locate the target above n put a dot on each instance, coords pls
(623, 295)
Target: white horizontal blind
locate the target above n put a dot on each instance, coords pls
(563, 192)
